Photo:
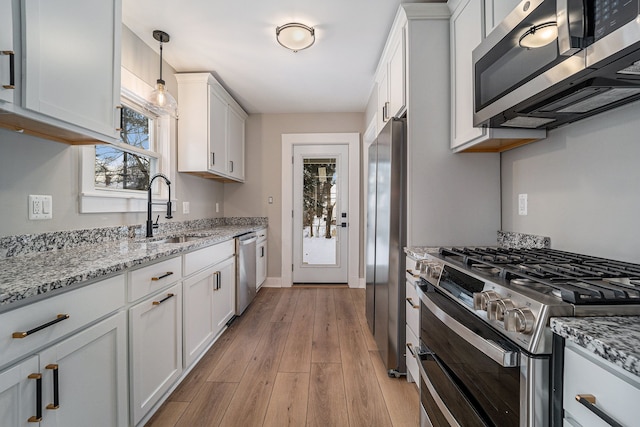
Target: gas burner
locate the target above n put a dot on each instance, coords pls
(537, 286)
(486, 269)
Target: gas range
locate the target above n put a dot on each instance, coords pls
(517, 291)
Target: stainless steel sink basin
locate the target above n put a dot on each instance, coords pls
(175, 239)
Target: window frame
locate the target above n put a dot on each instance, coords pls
(94, 199)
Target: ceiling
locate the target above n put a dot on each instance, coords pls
(235, 41)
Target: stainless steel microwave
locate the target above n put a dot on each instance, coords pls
(553, 62)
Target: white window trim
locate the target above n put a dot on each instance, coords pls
(96, 200)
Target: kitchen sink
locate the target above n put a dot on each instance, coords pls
(174, 239)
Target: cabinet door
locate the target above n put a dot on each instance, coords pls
(466, 34)
(18, 393)
(71, 52)
(224, 298)
(91, 367)
(261, 263)
(235, 161)
(217, 132)
(383, 98)
(198, 313)
(6, 46)
(397, 100)
(156, 348)
(495, 11)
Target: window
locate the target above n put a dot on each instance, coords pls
(115, 177)
(128, 169)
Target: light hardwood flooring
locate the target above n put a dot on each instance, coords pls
(296, 357)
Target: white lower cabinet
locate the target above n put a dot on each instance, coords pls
(79, 381)
(616, 392)
(261, 258)
(156, 348)
(209, 300)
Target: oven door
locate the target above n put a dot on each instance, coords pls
(470, 373)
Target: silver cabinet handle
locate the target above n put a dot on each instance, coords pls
(12, 69)
(231, 166)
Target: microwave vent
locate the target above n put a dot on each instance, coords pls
(601, 99)
(527, 122)
(633, 69)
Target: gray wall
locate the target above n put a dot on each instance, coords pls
(583, 186)
(30, 165)
(263, 168)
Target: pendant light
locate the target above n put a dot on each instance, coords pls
(160, 100)
(295, 36)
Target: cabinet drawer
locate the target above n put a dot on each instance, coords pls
(413, 308)
(202, 258)
(146, 280)
(83, 306)
(617, 392)
(412, 361)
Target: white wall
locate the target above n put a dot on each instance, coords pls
(583, 186)
(263, 168)
(29, 165)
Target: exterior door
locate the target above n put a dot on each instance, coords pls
(320, 213)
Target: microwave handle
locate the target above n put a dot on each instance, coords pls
(506, 358)
(567, 45)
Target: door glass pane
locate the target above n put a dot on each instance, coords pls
(319, 211)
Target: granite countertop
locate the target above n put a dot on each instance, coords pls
(28, 276)
(613, 338)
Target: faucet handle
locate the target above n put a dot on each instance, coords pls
(169, 216)
(155, 224)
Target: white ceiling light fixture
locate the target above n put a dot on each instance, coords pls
(160, 100)
(295, 36)
(539, 35)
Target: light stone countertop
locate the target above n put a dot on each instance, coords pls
(613, 338)
(30, 277)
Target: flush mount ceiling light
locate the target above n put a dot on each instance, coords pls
(539, 35)
(160, 100)
(295, 36)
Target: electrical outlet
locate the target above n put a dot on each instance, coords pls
(522, 204)
(185, 207)
(217, 207)
(40, 207)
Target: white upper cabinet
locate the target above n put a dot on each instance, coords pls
(67, 69)
(7, 52)
(390, 78)
(466, 32)
(495, 11)
(210, 130)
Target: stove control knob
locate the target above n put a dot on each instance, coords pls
(519, 320)
(497, 308)
(482, 299)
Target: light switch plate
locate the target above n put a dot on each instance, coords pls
(40, 207)
(522, 204)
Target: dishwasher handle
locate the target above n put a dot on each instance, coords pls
(247, 238)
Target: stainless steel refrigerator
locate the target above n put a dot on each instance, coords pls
(386, 238)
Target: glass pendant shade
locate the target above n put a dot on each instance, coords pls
(160, 101)
(539, 35)
(295, 36)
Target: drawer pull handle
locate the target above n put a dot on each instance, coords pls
(38, 416)
(589, 402)
(12, 69)
(217, 282)
(58, 319)
(56, 389)
(411, 273)
(410, 347)
(164, 299)
(167, 274)
(410, 301)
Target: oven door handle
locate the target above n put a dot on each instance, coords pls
(506, 358)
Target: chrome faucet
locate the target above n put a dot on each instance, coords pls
(150, 224)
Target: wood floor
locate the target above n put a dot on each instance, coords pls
(296, 357)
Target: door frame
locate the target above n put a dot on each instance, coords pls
(353, 142)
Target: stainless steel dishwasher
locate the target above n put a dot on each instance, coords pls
(245, 270)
